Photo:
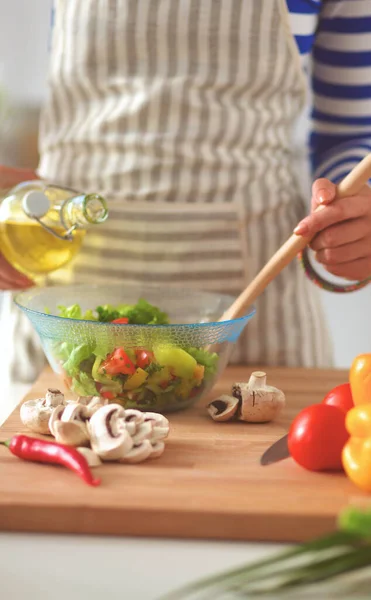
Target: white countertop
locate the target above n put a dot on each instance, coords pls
(50, 567)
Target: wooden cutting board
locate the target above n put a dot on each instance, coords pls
(207, 484)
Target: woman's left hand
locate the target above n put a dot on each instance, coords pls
(342, 231)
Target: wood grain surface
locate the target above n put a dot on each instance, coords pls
(208, 483)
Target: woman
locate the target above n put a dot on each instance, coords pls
(181, 112)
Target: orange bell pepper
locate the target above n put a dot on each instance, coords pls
(356, 455)
(360, 379)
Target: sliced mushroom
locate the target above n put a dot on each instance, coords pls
(71, 433)
(144, 432)
(54, 417)
(138, 453)
(92, 403)
(92, 458)
(108, 434)
(161, 425)
(223, 408)
(84, 399)
(133, 418)
(75, 412)
(54, 397)
(157, 449)
(68, 424)
(95, 403)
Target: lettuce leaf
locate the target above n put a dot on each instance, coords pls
(74, 312)
(84, 385)
(208, 359)
(141, 313)
(78, 354)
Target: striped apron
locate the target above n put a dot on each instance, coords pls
(181, 113)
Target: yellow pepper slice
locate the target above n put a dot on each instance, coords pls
(136, 379)
(356, 455)
(360, 379)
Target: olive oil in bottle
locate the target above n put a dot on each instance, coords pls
(42, 226)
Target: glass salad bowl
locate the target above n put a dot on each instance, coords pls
(155, 359)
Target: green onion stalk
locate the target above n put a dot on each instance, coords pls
(298, 571)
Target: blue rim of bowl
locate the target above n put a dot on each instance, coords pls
(248, 315)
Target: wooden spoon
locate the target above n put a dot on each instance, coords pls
(350, 186)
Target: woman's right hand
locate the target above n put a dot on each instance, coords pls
(10, 278)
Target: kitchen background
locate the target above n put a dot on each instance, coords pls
(24, 42)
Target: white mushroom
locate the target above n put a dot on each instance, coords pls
(35, 414)
(75, 412)
(85, 399)
(92, 458)
(92, 403)
(259, 402)
(161, 425)
(54, 417)
(54, 397)
(95, 403)
(223, 408)
(133, 418)
(68, 424)
(138, 453)
(108, 435)
(157, 449)
(143, 432)
(71, 433)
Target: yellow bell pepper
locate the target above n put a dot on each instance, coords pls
(360, 379)
(356, 455)
(136, 379)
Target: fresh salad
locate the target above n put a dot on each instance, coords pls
(161, 375)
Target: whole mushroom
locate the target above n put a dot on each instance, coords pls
(259, 402)
(35, 414)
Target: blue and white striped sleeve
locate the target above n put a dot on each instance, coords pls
(341, 79)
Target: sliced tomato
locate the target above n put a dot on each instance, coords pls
(121, 321)
(118, 363)
(144, 358)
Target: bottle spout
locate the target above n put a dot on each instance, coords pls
(95, 209)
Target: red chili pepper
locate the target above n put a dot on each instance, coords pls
(43, 451)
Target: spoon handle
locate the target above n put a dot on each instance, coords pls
(349, 186)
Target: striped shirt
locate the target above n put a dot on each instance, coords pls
(334, 38)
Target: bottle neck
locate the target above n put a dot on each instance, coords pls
(84, 210)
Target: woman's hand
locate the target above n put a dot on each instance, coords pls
(342, 231)
(10, 278)
(10, 176)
